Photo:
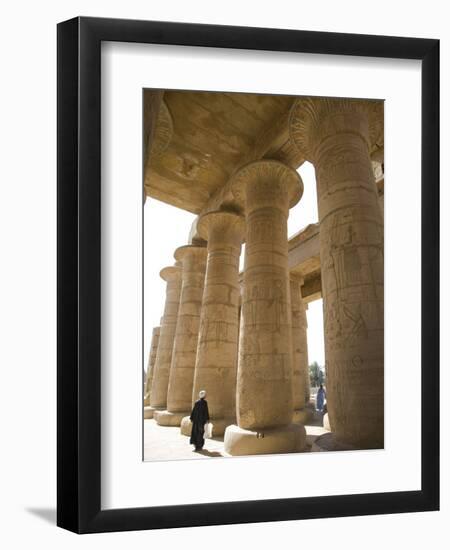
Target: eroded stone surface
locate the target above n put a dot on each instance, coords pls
(179, 394)
(215, 369)
(340, 259)
(300, 375)
(337, 135)
(150, 366)
(158, 394)
(285, 439)
(266, 190)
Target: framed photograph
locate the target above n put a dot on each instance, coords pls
(248, 317)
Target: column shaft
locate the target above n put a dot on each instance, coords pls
(158, 394)
(299, 350)
(151, 365)
(215, 369)
(267, 189)
(351, 251)
(179, 395)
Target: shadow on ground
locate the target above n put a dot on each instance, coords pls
(205, 452)
(46, 514)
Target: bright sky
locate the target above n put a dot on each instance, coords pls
(166, 228)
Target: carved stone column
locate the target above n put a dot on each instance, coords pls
(336, 136)
(179, 395)
(158, 394)
(215, 368)
(299, 351)
(148, 411)
(266, 190)
(306, 371)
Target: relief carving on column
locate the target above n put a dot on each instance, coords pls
(338, 135)
(313, 119)
(163, 131)
(271, 177)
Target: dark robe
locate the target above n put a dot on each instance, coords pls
(199, 417)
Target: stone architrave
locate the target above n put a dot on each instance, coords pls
(148, 411)
(215, 368)
(299, 351)
(336, 135)
(158, 393)
(179, 394)
(266, 190)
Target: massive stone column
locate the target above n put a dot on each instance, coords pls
(299, 351)
(266, 190)
(179, 394)
(148, 411)
(215, 368)
(158, 393)
(336, 136)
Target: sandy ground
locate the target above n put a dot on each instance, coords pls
(167, 443)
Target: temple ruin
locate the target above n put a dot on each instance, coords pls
(232, 159)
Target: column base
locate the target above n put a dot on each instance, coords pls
(301, 416)
(186, 426)
(150, 411)
(328, 442)
(147, 399)
(285, 439)
(219, 426)
(166, 418)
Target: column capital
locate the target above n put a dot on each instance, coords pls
(170, 273)
(190, 250)
(223, 221)
(271, 176)
(312, 120)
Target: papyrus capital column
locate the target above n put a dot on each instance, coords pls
(158, 393)
(179, 394)
(266, 190)
(215, 369)
(337, 136)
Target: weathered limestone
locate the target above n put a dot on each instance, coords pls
(299, 351)
(336, 136)
(158, 394)
(179, 394)
(215, 368)
(148, 411)
(266, 190)
(306, 366)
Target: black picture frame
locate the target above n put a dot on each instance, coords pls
(79, 280)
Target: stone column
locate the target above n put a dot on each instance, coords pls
(148, 411)
(158, 394)
(336, 136)
(266, 190)
(215, 368)
(299, 351)
(306, 372)
(179, 394)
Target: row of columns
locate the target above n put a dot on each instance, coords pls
(260, 383)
